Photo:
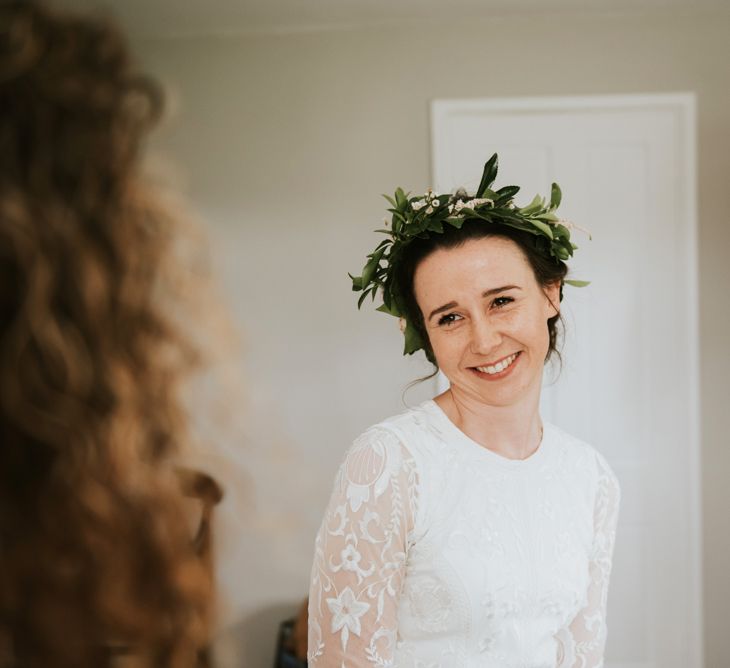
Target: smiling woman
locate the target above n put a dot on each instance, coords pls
(493, 327)
(547, 273)
(466, 531)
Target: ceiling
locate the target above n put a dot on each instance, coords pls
(158, 18)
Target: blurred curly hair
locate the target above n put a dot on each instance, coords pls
(95, 546)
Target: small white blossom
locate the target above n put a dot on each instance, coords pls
(351, 562)
(350, 558)
(459, 206)
(346, 612)
(436, 203)
(473, 203)
(418, 205)
(429, 210)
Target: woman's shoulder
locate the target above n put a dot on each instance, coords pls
(412, 428)
(585, 456)
(408, 435)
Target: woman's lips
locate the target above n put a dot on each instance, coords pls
(500, 370)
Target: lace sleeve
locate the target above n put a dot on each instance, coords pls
(360, 556)
(581, 644)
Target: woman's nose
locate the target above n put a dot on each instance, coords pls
(484, 336)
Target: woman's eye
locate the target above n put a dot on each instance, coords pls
(502, 301)
(448, 319)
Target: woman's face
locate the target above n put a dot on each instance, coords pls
(486, 318)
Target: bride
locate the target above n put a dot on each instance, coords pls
(467, 531)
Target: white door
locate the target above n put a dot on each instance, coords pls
(629, 382)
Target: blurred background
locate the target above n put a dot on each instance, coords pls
(286, 121)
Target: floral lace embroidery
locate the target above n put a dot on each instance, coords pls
(581, 644)
(364, 610)
(360, 555)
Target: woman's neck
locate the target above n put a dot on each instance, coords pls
(512, 431)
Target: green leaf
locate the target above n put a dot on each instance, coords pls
(555, 196)
(367, 273)
(400, 199)
(356, 282)
(390, 310)
(372, 265)
(543, 227)
(548, 217)
(508, 190)
(391, 200)
(560, 231)
(362, 298)
(505, 194)
(567, 245)
(455, 222)
(386, 299)
(488, 176)
(533, 207)
(412, 341)
(436, 225)
(575, 283)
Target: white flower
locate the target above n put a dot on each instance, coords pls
(473, 203)
(459, 206)
(418, 205)
(350, 558)
(436, 202)
(346, 612)
(351, 562)
(429, 210)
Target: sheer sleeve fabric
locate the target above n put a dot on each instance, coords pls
(581, 644)
(360, 555)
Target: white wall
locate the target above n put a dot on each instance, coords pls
(287, 141)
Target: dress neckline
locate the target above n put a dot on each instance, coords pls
(431, 407)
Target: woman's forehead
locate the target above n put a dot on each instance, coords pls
(475, 266)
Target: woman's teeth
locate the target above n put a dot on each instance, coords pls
(500, 366)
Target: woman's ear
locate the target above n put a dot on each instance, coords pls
(552, 295)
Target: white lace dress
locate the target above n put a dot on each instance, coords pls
(435, 552)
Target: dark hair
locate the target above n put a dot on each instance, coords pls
(95, 546)
(546, 270)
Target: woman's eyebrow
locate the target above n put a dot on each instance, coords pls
(440, 309)
(486, 293)
(504, 288)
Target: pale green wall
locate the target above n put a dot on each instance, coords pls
(287, 140)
